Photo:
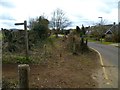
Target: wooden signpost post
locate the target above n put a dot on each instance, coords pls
(26, 36)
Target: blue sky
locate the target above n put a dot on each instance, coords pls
(79, 12)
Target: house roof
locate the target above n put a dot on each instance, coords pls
(108, 32)
(112, 29)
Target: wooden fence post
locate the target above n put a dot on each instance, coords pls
(74, 46)
(82, 44)
(23, 71)
(86, 42)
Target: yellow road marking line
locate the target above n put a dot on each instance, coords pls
(101, 61)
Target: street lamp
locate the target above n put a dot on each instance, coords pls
(101, 26)
(101, 20)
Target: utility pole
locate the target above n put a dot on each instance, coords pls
(26, 36)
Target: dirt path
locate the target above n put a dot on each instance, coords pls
(68, 72)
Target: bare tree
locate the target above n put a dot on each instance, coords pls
(59, 21)
(99, 29)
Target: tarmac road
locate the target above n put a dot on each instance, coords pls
(109, 55)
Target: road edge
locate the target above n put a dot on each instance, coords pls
(102, 64)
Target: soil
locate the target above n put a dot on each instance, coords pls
(64, 70)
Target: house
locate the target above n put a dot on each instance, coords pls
(112, 33)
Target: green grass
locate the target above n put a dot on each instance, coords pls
(106, 43)
(91, 40)
(8, 59)
(103, 41)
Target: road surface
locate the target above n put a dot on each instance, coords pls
(109, 55)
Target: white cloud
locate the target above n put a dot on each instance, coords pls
(78, 11)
